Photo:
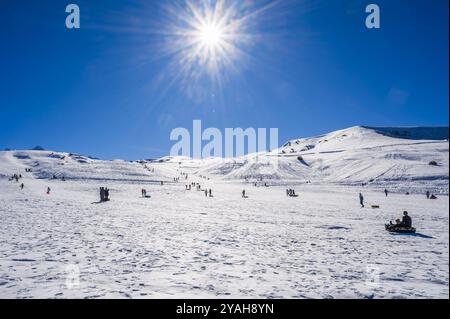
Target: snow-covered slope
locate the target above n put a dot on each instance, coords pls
(46, 164)
(179, 243)
(354, 156)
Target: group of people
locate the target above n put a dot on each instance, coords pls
(104, 194)
(16, 177)
(386, 192)
(208, 193)
(291, 193)
(144, 193)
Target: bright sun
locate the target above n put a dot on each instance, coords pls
(211, 35)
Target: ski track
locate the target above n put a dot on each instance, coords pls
(179, 244)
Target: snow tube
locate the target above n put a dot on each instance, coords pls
(400, 230)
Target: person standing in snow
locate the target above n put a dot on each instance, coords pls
(243, 194)
(21, 186)
(428, 194)
(210, 193)
(361, 200)
(48, 190)
(386, 192)
(206, 193)
(102, 194)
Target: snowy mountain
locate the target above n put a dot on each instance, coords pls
(399, 158)
(354, 156)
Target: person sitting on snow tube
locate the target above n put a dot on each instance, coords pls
(406, 221)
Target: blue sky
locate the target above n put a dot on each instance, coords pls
(311, 67)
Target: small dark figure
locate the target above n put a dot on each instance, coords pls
(22, 186)
(210, 193)
(48, 190)
(206, 193)
(244, 194)
(102, 194)
(428, 194)
(106, 195)
(386, 192)
(361, 200)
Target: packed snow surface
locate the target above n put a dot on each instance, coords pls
(182, 244)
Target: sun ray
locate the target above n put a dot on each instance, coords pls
(208, 39)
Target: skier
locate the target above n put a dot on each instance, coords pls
(210, 193)
(21, 186)
(428, 194)
(206, 193)
(361, 200)
(48, 190)
(243, 194)
(386, 192)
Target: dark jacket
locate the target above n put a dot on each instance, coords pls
(407, 221)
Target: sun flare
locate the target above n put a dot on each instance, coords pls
(209, 41)
(211, 35)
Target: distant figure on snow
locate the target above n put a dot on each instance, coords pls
(428, 194)
(361, 200)
(386, 192)
(48, 190)
(22, 186)
(104, 194)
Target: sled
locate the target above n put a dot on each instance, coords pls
(400, 230)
